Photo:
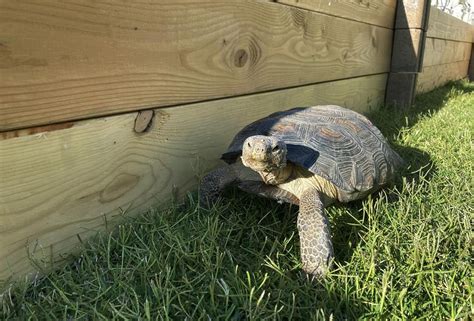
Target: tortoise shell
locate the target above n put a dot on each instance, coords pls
(333, 142)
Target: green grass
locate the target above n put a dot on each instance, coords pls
(403, 254)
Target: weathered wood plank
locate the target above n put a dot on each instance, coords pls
(376, 12)
(471, 67)
(71, 60)
(407, 50)
(63, 183)
(441, 51)
(444, 26)
(401, 88)
(412, 14)
(438, 75)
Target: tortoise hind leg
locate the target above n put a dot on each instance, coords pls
(268, 191)
(315, 238)
(213, 184)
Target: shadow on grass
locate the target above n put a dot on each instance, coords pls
(390, 119)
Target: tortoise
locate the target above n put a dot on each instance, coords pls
(311, 157)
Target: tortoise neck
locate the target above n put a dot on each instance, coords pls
(277, 176)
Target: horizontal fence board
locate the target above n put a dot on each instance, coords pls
(67, 182)
(72, 60)
(441, 51)
(445, 26)
(376, 12)
(438, 75)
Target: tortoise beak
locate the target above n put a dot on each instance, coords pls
(254, 165)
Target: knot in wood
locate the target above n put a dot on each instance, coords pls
(240, 58)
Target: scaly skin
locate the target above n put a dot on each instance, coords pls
(213, 184)
(315, 235)
(268, 191)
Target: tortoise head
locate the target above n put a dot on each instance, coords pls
(264, 153)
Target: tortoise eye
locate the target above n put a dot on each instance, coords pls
(275, 148)
(248, 144)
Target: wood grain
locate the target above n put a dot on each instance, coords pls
(438, 75)
(441, 51)
(66, 183)
(444, 26)
(376, 12)
(66, 60)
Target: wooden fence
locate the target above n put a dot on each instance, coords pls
(75, 77)
(447, 52)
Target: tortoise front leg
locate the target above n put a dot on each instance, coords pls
(268, 191)
(315, 238)
(213, 184)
